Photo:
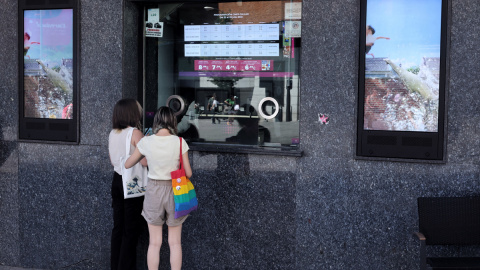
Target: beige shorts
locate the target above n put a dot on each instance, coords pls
(159, 206)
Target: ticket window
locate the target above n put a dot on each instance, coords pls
(230, 70)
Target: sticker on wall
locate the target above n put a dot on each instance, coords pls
(153, 26)
(323, 119)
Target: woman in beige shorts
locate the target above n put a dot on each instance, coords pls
(162, 150)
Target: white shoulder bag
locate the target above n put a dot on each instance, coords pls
(134, 179)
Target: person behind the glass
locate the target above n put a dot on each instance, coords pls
(197, 108)
(27, 43)
(249, 131)
(230, 102)
(212, 107)
(370, 40)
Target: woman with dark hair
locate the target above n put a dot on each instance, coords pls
(162, 149)
(127, 219)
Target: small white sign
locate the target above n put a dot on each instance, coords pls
(153, 26)
(293, 11)
(153, 15)
(154, 29)
(293, 29)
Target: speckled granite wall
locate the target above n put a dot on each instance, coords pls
(101, 67)
(324, 210)
(55, 202)
(9, 208)
(131, 13)
(357, 214)
(64, 199)
(246, 219)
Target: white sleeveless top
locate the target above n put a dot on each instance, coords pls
(116, 147)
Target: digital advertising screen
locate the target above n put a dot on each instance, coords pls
(47, 71)
(48, 63)
(402, 79)
(402, 65)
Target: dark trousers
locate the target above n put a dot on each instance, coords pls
(127, 223)
(213, 112)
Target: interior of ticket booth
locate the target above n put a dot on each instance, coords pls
(245, 53)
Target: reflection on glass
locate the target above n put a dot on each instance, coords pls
(402, 65)
(48, 66)
(223, 59)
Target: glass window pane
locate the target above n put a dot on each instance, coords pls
(230, 70)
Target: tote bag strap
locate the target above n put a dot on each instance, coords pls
(181, 159)
(128, 141)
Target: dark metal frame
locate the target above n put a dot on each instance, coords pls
(403, 145)
(42, 129)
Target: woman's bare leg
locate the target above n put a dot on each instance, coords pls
(175, 243)
(153, 253)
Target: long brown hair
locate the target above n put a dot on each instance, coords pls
(127, 112)
(165, 118)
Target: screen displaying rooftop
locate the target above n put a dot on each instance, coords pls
(402, 65)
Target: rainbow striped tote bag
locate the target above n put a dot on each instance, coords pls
(183, 191)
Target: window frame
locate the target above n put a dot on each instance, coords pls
(205, 146)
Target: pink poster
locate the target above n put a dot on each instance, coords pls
(233, 65)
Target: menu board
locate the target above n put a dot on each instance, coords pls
(226, 40)
(229, 32)
(234, 65)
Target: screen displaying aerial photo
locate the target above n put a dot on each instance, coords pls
(402, 65)
(48, 63)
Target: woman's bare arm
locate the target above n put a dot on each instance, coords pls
(133, 159)
(136, 137)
